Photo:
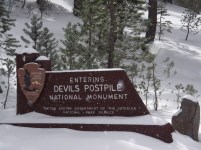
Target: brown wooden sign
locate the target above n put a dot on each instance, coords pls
(31, 79)
(90, 93)
(106, 92)
(87, 93)
(81, 93)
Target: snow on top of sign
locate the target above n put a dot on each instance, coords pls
(178, 112)
(42, 58)
(26, 51)
(31, 63)
(34, 117)
(189, 97)
(88, 70)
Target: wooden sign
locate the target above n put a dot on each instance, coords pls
(106, 92)
(87, 93)
(90, 93)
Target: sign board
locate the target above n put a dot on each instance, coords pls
(107, 92)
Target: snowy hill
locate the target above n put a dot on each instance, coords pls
(55, 19)
(185, 54)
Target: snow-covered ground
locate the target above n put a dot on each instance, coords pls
(17, 138)
(185, 54)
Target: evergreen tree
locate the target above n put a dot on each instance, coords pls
(71, 48)
(42, 40)
(91, 14)
(30, 9)
(10, 67)
(104, 42)
(43, 6)
(77, 7)
(190, 22)
(47, 45)
(33, 31)
(152, 74)
(128, 45)
(132, 42)
(102, 31)
(164, 25)
(189, 89)
(7, 42)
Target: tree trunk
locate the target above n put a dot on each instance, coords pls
(1, 91)
(112, 35)
(8, 88)
(155, 89)
(121, 18)
(160, 29)
(38, 2)
(70, 60)
(89, 65)
(41, 15)
(24, 2)
(188, 30)
(152, 16)
(146, 94)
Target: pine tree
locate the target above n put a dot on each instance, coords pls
(127, 44)
(42, 40)
(33, 31)
(189, 89)
(47, 45)
(132, 42)
(104, 41)
(7, 42)
(152, 74)
(71, 47)
(77, 7)
(190, 22)
(43, 6)
(90, 33)
(10, 67)
(106, 26)
(164, 25)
